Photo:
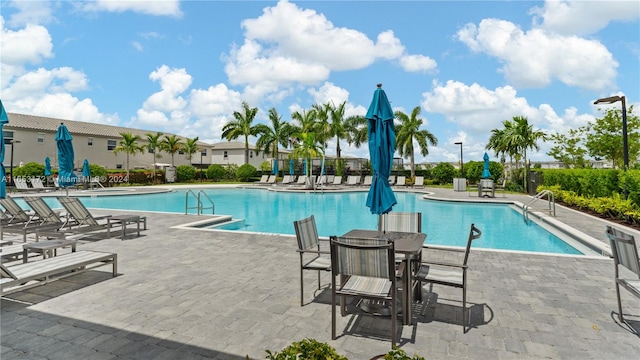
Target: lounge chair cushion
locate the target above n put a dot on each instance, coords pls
(365, 285)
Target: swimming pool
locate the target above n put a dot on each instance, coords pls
(445, 223)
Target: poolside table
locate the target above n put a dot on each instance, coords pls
(408, 244)
(47, 248)
(126, 219)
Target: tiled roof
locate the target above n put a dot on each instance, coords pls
(47, 124)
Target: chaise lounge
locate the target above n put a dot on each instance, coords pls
(30, 274)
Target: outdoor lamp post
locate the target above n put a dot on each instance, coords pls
(625, 144)
(461, 161)
(13, 183)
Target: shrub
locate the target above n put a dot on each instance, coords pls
(306, 349)
(97, 170)
(215, 172)
(443, 173)
(246, 172)
(185, 173)
(29, 170)
(231, 171)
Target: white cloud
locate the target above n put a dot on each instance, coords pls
(136, 45)
(30, 12)
(157, 8)
(276, 51)
(537, 57)
(477, 110)
(571, 17)
(417, 63)
(30, 44)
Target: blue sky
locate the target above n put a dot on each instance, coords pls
(185, 66)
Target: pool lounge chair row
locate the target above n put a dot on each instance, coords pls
(77, 219)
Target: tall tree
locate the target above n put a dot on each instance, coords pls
(356, 130)
(190, 147)
(307, 148)
(521, 136)
(305, 122)
(322, 126)
(171, 144)
(567, 149)
(153, 144)
(241, 126)
(270, 137)
(338, 124)
(604, 137)
(128, 144)
(408, 131)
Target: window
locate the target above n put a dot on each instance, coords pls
(111, 144)
(118, 166)
(181, 152)
(90, 142)
(226, 155)
(203, 152)
(40, 138)
(251, 154)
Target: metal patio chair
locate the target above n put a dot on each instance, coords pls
(311, 257)
(625, 252)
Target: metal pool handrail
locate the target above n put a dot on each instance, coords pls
(199, 198)
(551, 203)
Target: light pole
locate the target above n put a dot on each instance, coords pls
(13, 183)
(461, 161)
(625, 144)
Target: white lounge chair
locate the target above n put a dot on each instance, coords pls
(419, 181)
(302, 179)
(263, 179)
(401, 181)
(392, 180)
(337, 180)
(80, 217)
(353, 180)
(37, 184)
(368, 179)
(27, 275)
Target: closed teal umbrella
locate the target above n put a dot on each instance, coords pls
(47, 166)
(304, 167)
(66, 177)
(275, 166)
(86, 171)
(486, 174)
(292, 168)
(382, 144)
(4, 119)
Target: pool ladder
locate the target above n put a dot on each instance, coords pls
(551, 204)
(199, 206)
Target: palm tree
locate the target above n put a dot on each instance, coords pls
(523, 137)
(306, 121)
(190, 147)
(171, 144)
(338, 125)
(241, 126)
(128, 144)
(356, 130)
(153, 144)
(272, 136)
(307, 148)
(409, 131)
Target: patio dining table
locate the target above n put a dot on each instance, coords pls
(408, 244)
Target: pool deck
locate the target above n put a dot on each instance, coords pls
(194, 294)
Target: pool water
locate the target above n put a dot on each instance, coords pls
(445, 223)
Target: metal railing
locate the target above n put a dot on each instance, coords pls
(551, 204)
(199, 205)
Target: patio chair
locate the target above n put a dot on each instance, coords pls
(368, 179)
(37, 184)
(21, 184)
(353, 180)
(401, 181)
(625, 252)
(392, 180)
(501, 187)
(302, 179)
(263, 179)
(400, 221)
(286, 180)
(78, 215)
(27, 275)
(42, 220)
(419, 182)
(449, 273)
(309, 245)
(13, 213)
(366, 268)
(337, 180)
(322, 180)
